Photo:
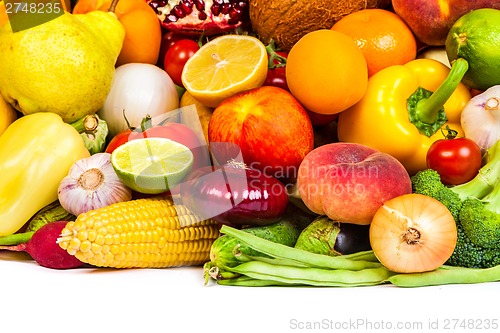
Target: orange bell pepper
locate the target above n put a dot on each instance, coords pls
(400, 115)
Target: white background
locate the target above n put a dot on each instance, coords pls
(176, 300)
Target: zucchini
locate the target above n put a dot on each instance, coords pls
(222, 252)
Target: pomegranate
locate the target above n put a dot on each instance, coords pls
(196, 16)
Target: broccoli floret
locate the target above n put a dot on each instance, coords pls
(480, 219)
(467, 254)
(428, 182)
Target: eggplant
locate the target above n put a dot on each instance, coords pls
(325, 236)
(234, 194)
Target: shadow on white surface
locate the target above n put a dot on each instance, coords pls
(176, 300)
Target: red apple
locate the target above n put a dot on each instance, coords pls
(348, 182)
(270, 128)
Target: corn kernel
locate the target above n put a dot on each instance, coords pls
(96, 248)
(99, 239)
(91, 235)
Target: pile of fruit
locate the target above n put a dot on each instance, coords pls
(268, 142)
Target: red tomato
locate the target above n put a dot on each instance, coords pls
(276, 76)
(168, 39)
(176, 57)
(318, 119)
(456, 160)
(118, 140)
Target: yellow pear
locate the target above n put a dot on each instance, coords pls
(64, 66)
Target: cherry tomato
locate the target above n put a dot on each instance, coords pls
(118, 140)
(276, 74)
(176, 57)
(168, 39)
(318, 119)
(457, 160)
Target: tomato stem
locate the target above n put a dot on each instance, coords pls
(273, 56)
(450, 133)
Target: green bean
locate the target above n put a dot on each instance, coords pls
(245, 281)
(447, 275)
(275, 261)
(313, 276)
(281, 251)
(362, 255)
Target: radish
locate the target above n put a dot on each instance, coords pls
(43, 248)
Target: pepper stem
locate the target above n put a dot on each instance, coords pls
(112, 6)
(426, 108)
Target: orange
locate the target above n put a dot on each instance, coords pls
(383, 37)
(142, 28)
(326, 71)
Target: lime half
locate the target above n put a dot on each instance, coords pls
(152, 165)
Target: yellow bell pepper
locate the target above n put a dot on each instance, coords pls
(36, 153)
(383, 120)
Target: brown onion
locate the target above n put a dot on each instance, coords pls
(413, 233)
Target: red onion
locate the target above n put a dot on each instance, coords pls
(235, 194)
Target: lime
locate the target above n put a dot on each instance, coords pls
(475, 37)
(152, 165)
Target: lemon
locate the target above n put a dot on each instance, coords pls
(475, 37)
(225, 66)
(152, 165)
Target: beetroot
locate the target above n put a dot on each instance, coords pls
(43, 248)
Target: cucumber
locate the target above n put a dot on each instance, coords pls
(223, 248)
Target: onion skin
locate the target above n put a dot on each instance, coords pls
(235, 196)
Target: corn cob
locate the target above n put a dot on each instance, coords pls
(142, 233)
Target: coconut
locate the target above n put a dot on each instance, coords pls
(286, 21)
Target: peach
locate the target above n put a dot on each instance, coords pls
(348, 182)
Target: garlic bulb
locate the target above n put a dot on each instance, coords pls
(90, 184)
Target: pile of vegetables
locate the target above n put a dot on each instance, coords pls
(66, 206)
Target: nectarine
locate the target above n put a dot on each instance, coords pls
(348, 182)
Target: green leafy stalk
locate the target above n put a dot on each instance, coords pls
(487, 178)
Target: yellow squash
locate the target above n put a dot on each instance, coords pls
(383, 120)
(36, 153)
